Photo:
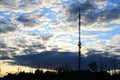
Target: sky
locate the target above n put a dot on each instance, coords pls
(36, 33)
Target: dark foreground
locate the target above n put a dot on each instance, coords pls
(62, 75)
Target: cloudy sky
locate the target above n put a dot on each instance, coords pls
(33, 27)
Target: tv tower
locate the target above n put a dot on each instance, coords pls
(79, 42)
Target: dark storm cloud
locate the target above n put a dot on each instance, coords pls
(54, 59)
(7, 27)
(5, 57)
(91, 14)
(47, 59)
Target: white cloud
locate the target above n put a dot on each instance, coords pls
(34, 19)
(100, 3)
(1, 17)
(92, 36)
(115, 40)
(26, 5)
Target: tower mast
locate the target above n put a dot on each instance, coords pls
(79, 43)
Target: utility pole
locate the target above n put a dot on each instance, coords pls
(79, 43)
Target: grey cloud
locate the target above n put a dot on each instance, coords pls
(42, 36)
(10, 4)
(103, 16)
(7, 27)
(73, 9)
(40, 46)
(117, 50)
(89, 19)
(16, 4)
(29, 3)
(90, 15)
(2, 45)
(3, 52)
(46, 37)
(20, 5)
(108, 15)
(113, 49)
(27, 20)
(56, 49)
(5, 49)
(92, 52)
(32, 48)
(11, 50)
(33, 45)
(29, 51)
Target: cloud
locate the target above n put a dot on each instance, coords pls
(5, 57)
(3, 52)
(34, 48)
(8, 4)
(73, 9)
(32, 28)
(101, 4)
(7, 26)
(54, 59)
(21, 40)
(21, 43)
(49, 59)
(26, 20)
(1, 17)
(92, 36)
(25, 6)
(112, 49)
(20, 5)
(90, 13)
(2, 45)
(109, 15)
(115, 40)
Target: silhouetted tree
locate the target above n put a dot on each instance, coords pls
(93, 66)
(64, 75)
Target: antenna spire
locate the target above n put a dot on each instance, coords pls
(79, 43)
